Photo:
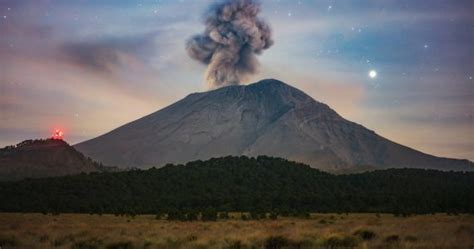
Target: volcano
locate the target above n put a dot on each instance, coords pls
(265, 118)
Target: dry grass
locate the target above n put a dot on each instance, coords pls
(337, 231)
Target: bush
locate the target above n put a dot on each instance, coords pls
(176, 215)
(254, 215)
(340, 241)
(44, 238)
(301, 214)
(87, 244)
(120, 245)
(276, 242)
(159, 216)
(392, 239)
(236, 244)
(365, 234)
(273, 216)
(209, 215)
(8, 240)
(411, 238)
(224, 215)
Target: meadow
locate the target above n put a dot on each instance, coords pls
(18, 230)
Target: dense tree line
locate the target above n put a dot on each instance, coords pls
(255, 185)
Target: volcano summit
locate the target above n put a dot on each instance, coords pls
(265, 118)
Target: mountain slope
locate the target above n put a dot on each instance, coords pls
(265, 118)
(43, 158)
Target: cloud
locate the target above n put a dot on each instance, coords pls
(109, 54)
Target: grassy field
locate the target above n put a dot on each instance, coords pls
(320, 231)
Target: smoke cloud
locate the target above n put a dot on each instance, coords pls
(232, 39)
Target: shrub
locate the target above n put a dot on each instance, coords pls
(173, 243)
(365, 234)
(87, 244)
(340, 241)
(120, 245)
(254, 215)
(273, 216)
(234, 244)
(147, 244)
(44, 238)
(224, 215)
(392, 239)
(285, 213)
(303, 215)
(465, 229)
(191, 237)
(276, 242)
(209, 215)
(411, 238)
(191, 216)
(176, 215)
(8, 240)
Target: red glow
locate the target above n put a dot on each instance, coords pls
(58, 134)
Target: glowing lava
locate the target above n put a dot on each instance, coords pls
(58, 134)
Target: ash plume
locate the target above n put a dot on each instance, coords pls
(232, 39)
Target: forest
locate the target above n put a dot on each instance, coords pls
(242, 184)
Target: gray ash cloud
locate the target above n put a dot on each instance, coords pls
(231, 41)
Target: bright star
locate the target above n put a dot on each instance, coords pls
(372, 74)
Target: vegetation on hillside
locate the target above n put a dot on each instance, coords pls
(255, 185)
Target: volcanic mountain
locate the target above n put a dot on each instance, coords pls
(43, 158)
(264, 118)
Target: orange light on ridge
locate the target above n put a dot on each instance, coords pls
(58, 134)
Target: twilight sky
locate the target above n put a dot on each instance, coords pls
(89, 66)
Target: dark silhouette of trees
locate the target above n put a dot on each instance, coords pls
(256, 186)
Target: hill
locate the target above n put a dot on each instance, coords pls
(43, 158)
(266, 118)
(243, 184)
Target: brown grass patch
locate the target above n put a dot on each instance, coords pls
(80, 231)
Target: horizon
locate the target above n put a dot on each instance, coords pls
(408, 76)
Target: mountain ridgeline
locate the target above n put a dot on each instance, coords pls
(265, 118)
(261, 184)
(44, 158)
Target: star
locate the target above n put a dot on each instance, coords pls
(425, 46)
(372, 74)
(289, 14)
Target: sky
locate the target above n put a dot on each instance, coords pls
(89, 66)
